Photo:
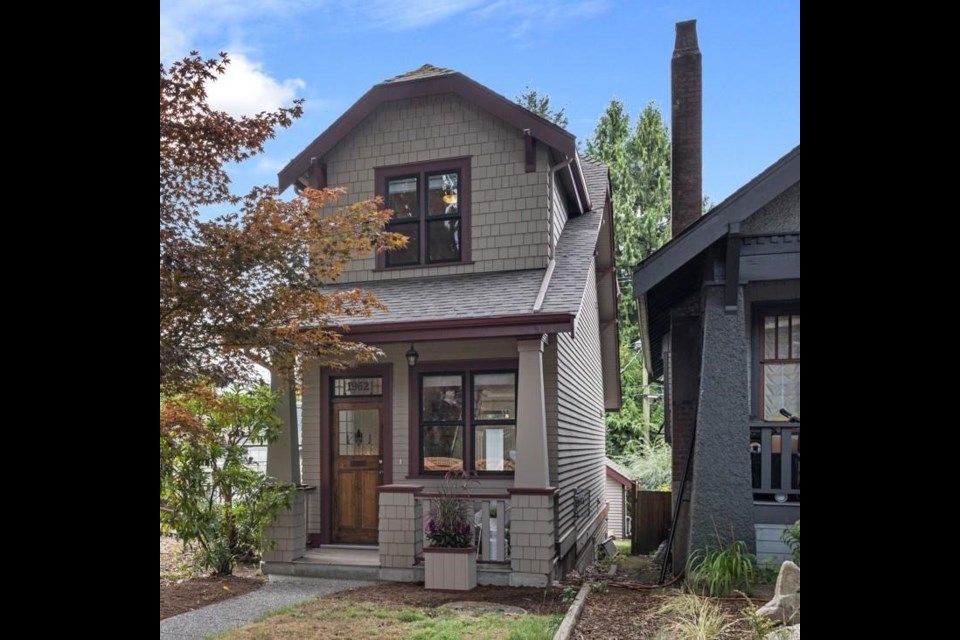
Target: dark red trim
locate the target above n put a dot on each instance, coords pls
(413, 404)
(531, 491)
(619, 477)
(326, 453)
(457, 83)
(318, 171)
(529, 151)
(400, 488)
(460, 550)
(476, 496)
(421, 169)
(457, 328)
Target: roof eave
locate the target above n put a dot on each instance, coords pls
(457, 83)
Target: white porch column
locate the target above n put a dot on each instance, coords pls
(532, 470)
(283, 455)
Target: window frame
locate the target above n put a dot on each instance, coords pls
(474, 422)
(422, 171)
(466, 369)
(760, 312)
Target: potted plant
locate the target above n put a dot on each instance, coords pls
(450, 560)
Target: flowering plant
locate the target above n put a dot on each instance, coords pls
(450, 522)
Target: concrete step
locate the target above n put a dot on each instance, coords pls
(307, 569)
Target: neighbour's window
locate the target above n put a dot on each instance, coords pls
(455, 435)
(779, 377)
(430, 208)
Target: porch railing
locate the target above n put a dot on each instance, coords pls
(775, 462)
(491, 520)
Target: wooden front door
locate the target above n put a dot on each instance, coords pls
(357, 470)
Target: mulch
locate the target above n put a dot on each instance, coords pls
(193, 593)
(181, 591)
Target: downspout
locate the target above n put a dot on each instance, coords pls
(551, 249)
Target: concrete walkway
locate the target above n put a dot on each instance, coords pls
(221, 616)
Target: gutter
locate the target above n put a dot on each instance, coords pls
(551, 249)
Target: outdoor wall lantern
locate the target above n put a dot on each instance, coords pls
(412, 356)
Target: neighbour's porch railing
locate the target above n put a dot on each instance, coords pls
(775, 462)
(491, 519)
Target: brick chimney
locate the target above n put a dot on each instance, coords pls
(686, 89)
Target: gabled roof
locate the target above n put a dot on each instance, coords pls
(746, 201)
(431, 80)
(671, 273)
(618, 473)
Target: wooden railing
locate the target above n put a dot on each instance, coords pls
(775, 462)
(491, 518)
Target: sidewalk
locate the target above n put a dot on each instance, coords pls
(221, 616)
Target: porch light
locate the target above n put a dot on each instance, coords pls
(412, 356)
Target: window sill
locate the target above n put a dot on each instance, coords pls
(492, 475)
(436, 265)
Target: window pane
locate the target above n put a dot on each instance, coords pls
(409, 254)
(769, 337)
(442, 447)
(781, 390)
(442, 194)
(495, 396)
(402, 198)
(783, 337)
(496, 447)
(444, 240)
(343, 387)
(795, 332)
(442, 399)
(358, 432)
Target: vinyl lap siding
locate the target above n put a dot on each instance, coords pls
(580, 416)
(615, 499)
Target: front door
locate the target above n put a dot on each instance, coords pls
(357, 470)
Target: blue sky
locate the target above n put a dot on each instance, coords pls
(580, 52)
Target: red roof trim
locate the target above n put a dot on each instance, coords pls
(619, 477)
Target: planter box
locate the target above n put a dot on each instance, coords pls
(450, 569)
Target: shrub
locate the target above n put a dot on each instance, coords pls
(650, 465)
(791, 538)
(208, 495)
(721, 571)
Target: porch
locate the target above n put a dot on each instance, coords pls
(378, 440)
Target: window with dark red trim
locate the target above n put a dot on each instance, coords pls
(779, 376)
(431, 207)
(479, 434)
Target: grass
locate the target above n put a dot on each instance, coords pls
(695, 618)
(327, 619)
(623, 546)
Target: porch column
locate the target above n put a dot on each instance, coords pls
(721, 498)
(283, 455)
(400, 535)
(532, 470)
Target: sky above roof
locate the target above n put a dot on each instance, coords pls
(582, 53)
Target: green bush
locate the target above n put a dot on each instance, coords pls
(722, 571)
(650, 465)
(791, 538)
(209, 496)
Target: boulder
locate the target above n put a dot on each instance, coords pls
(786, 633)
(784, 609)
(788, 581)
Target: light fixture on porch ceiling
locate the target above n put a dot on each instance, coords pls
(412, 356)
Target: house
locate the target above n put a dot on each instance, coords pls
(720, 322)
(617, 490)
(499, 342)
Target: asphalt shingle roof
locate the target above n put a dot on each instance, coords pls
(426, 71)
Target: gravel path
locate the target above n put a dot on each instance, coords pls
(221, 616)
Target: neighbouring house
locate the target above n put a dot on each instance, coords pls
(617, 489)
(499, 342)
(720, 322)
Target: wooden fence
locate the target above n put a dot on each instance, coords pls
(651, 520)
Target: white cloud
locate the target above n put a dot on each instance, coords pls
(245, 89)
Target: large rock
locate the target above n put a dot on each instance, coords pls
(786, 633)
(784, 609)
(788, 581)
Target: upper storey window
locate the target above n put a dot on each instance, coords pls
(430, 203)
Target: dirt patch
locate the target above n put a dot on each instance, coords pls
(182, 591)
(407, 596)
